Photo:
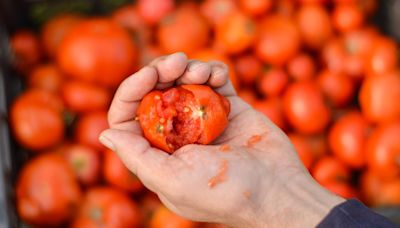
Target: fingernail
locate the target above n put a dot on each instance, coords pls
(107, 142)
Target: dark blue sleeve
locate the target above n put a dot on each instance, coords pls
(353, 213)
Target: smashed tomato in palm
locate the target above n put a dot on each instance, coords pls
(183, 115)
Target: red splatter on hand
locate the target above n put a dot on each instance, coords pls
(221, 175)
(247, 194)
(253, 140)
(225, 148)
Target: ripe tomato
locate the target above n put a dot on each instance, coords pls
(97, 50)
(347, 17)
(278, 41)
(84, 160)
(314, 24)
(382, 57)
(338, 88)
(273, 82)
(301, 67)
(164, 218)
(26, 50)
(89, 127)
(370, 187)
(47, 77)
(305, 109)
(303, 149)
(55, 29)
(215, 11)
(347, 139)
(383, 150)
(47, 192)
(378, 97)
(152, 11)
(116, 174)
(248, 68)
(318, 144)
(342, 189)
(36, 120)
(128, 17)
(272, 108)
(256, 7)
(149, 203)
(334, 55)
(80, 96)
(148, 53)
(208, 55)
(389, 194)
(330, 169)
(248, 95)
(183, 115)
(175, 35)
(107, 208)
(236, 33)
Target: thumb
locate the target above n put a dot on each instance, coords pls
(146, 162)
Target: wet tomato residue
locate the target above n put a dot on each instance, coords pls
(253, 140)
(221, 175)
(225, 148)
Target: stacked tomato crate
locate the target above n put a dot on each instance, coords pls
(320, 70)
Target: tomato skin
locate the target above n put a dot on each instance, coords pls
(164, 218)
(248, 95)
(347, 17)
(272, 108)
(382, 57)
(347, 139)
(338, 88)
(55, 29)
(84, 161)
(215, 11)
(248, 68)
(236, 33)
(26, 49)
(207, 109)
(301, 67)
(175, 35)
(36, 120)
(256, 7)
(47, 191)
(383, 150)
(314, 25)
(303, 149)
(378, 97)
(341, 189)
(152, 11)
(305, 108)
(330, 169)
(116, 174)
(273, 82)
(89, 127)
(47, 77)
(108, 208)
(278, 40)
(82, 97)
(97, 50)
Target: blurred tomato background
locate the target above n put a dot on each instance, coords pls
(324, 71)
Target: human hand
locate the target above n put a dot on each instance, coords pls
(250, 176)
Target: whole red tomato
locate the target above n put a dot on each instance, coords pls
(330, 169)
(80, 96)
(379, 96)
(278, 40)
(236, 33)
(342, 189)
(183, 30)
(303, 149)
(273, 82)
(47, 77)
(26, 50)
(301, 67)
(248, 95)
(337, 87)
(256, 7)
(248, 68)
(370, 185)
(55, 29)
(36, 120)
(215, 11)
(347, 139)
(116, 174)
(153, 11)
(97, 50)
(85, 161)
(389, 193)
(314, 24)
(107, 208)
(164, 218)
(89, 127)
(383, 150)
(271, 108)
(47, 192)
(305, 109)
(149, 203)
(183, 115)
(382, 57)
(347, 17)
